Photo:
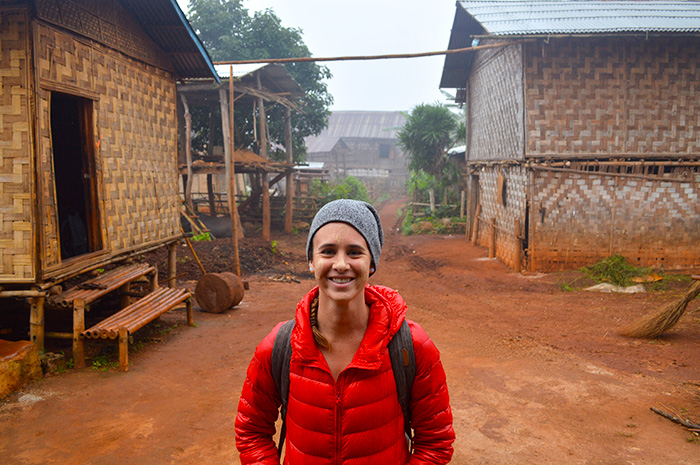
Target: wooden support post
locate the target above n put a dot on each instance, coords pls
(36, 322)
(188, 307)
(233, 207)
(188, 153)
(289, 207)
(124, 298)
(475, 225)
(123, 349)
(172, 264)
(262, 133)
(518, 247)
(462, 202)
(431, 193)
(78, 328)
(492, 240)
(210, 195)
(153, 279)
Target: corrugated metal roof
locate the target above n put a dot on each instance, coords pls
(167, 26)
(583, 17)
(274, 77)
(508, 18)
(356, 125)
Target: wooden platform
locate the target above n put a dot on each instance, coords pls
(134, 317)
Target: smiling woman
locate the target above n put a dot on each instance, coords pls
(341, 405)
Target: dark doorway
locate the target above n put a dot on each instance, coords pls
(74, 172)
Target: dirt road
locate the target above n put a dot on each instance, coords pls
(536, 375)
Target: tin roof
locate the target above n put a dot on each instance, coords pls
(583, 17)
(167, 26)
(273, 77)
(523, 18)
(356, 125)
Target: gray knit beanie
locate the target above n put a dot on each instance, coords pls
(360, 215)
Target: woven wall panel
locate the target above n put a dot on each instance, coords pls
(579, 219)
(136, 131)
(15, 146)
(613, 95)
(516, 202)
(495, 105)
(106, 22)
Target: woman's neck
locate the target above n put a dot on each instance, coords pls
(340, 319)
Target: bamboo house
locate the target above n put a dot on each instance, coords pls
(89, 138)
(582, 130)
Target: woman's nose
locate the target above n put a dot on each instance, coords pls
(341, 263)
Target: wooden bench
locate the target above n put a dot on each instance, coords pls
(79, 298)
(137, 315)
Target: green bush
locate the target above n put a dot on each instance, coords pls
(615, 270)
(348, 188)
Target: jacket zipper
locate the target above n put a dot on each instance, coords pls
(338, 425)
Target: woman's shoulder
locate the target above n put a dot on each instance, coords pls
(264, 350)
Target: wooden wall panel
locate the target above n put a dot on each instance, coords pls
(495, 105)
(136, 139)
(613, 96)
(16, 181)
(579, 219)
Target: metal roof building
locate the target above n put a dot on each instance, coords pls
(483, 19)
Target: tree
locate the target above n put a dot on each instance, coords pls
(229, 32)
(429, 131)
(426, 135)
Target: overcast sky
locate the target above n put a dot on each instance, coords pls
(332, 28)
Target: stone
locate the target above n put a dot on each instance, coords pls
(53, 363)
(19, 364)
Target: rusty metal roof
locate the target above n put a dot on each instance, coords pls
(356, 125)
(167, 26)
(571, 17)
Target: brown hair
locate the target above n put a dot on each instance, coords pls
(313, 319)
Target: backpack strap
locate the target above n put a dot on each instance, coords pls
(281, 356)
(403, 363)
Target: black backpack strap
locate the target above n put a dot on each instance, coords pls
(403, 363)
(281, 356)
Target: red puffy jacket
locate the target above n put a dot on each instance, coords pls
(357, 419)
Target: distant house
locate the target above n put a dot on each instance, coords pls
(88, 138)
(583, 135)
(362, 144)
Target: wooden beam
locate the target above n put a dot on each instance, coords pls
(263, 153)
(370, 57)
(289, 182)
(233, 208)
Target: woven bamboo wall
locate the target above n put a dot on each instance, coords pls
(495, 105)
(106, 22)
(515, 177)
(613, 96)
(579, 219)
(16, 238)
(136, 132)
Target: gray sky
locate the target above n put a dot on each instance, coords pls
(332, 28)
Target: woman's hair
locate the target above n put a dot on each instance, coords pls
(313, 319)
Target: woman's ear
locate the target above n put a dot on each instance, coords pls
(311, 266)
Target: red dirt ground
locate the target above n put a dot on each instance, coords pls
(536, 375)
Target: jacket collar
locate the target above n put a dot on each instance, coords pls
(387, 312)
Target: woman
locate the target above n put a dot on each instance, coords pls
(343, 405)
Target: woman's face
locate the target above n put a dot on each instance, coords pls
(341, 262)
